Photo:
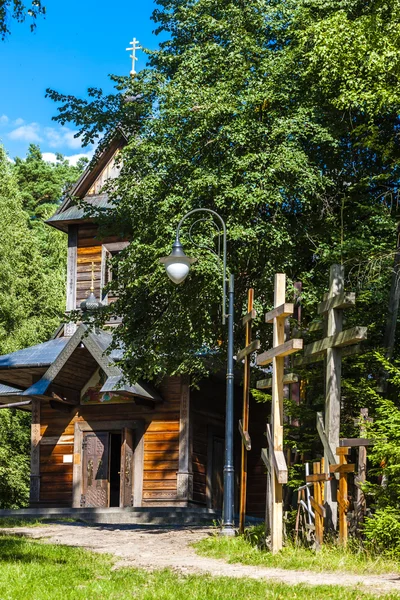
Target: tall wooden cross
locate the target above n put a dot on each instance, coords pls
(331, 347)
(275, 458)
(135, 46)
(250, 347)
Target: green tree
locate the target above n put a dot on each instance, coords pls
(42, 183)
(16, 9)
(231, 116)
(32, 294)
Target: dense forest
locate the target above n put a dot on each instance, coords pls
(32, 295)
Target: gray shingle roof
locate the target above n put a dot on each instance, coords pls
(8, 390)
(75, 212)
(41, 355)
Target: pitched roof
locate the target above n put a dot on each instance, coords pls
(55, 353)
(68, 212)
(41, 355)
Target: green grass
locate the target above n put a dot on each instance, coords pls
(329, 558)
(7, 522)
(32, 570)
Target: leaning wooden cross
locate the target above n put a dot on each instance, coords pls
(274, 457)
(331, 348)
(244, 423)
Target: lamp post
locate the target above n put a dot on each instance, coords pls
(177, 266)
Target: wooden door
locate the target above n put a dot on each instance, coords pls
(127, 454)
(95, 467)
(217, 477)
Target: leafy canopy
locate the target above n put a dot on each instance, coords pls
(16, 9)
(236, 114)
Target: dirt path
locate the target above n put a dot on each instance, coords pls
(158, 548)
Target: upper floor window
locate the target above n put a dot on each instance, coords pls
(109, 269)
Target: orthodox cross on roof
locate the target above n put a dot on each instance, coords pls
(135, 46)
(331, 348)
(274, 457)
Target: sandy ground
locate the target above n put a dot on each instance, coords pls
(160, 547)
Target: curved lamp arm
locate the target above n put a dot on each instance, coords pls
(177, 242)
(177, 264)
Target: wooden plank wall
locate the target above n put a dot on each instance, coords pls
(89, 250)
(199, 463)
(161, 445)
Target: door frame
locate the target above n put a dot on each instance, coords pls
(82, 427)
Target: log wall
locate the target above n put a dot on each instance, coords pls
(161, 445)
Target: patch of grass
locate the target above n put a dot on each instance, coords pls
(32, 570)
(329, 558)
(7, 522)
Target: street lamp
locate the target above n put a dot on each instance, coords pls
(177, 266)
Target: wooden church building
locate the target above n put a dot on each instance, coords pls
(97, 442)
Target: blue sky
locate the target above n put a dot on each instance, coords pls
(76, 46)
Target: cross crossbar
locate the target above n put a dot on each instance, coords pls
(343, 300)
(282, 311)
(284, 349)
(251, 315)
(338, 340)
(248, 350)
(265, 384)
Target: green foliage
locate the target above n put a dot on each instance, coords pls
(233, 115)
(15, 443)
(32, 293)
(41, 184)
(35, 570)
(382, 532)
(19, 11)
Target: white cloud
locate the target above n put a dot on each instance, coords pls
(26, 133)
(4, 120)
(73, 159)
(62, 136)
(18, 122)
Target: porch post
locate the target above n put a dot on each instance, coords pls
(35, 452)
(184, 474)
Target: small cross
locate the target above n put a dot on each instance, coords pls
(135, 46)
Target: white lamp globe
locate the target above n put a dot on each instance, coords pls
(177, 264)
(177, 270)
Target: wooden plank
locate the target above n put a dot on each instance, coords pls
(318, 508)
(340, 301)
(343, 451)
(265, 459)
(355, 442)
(278, 460)
(138, 462)
(35, 452)
(251, 315)
(345, 468)
(321, 431)
(288, 379)
(280, 351)
(184, 475)
(255, 345)
(317, 477)
(282, 312)
(71, 267)
(337, 340)
(245, 437)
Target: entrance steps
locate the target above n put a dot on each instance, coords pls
(160, 516)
